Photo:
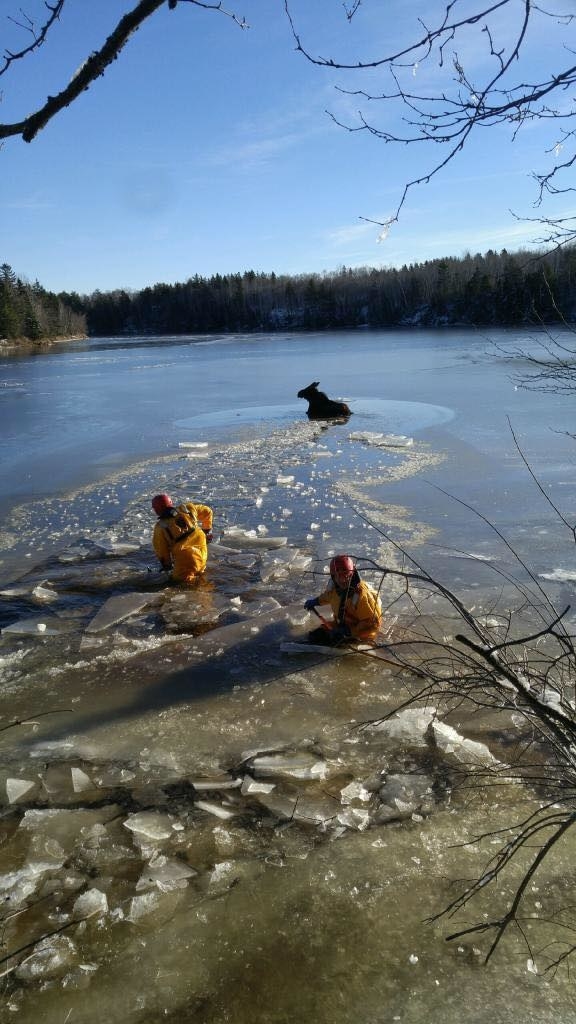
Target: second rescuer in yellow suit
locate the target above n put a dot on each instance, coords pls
(181, 536)
(356, 608)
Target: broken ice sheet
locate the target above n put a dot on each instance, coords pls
(80, 780)
(16, 789)
(295, 766)
(43, 594)
(50, 958)
(92, 903)
(149, 824)
(234, 536)
(218, 810)
(382, 440)
(38, 627)
(354, 791)
(118, 608)
(462, 750)
(408, 726)
(165, 874)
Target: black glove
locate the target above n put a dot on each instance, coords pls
(339, 633)
(209, 536)
(311, 603)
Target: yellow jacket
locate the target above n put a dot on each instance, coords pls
(179, 540)
(362, 610)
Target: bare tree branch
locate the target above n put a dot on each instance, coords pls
(95, 65)
(495, 93)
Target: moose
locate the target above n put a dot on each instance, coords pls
(320, 407)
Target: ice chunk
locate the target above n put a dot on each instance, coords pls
(165, 874)
(221, 782)
(235, 537)
(382, 440)
(317, 810)
(355, 818)
(408, 726)
(43, 594)
(222, 871)
(280, 805)
(92, 903)
(32, 626)
(462, 750)
(112, 547)
(18, 788)
(192, 444)
(80, 781)
(50, 958)
(406, 793)
(251, 786)
(296, 766)
(118, 608)
(141, 906)
(257, 608)
(281, 562)
(354, 791)
(218, 810)
(150, 824)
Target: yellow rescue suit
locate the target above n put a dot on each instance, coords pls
(179, 540)
(359, 610)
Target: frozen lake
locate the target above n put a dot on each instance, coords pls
(217, 887)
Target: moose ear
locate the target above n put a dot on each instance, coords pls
(315, 384)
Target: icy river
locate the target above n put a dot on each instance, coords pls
(200, 824)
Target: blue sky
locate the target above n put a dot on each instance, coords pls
(206, 149)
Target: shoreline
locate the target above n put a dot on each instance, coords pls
(26, 344)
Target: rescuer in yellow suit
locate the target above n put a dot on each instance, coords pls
(356, 608)
(181, 537)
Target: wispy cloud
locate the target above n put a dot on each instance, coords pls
(28, 203)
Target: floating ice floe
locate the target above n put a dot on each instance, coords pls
(80, 780)
(150, 824)
(408, 726)
(43, 594)
(142, 906)
(236, 537)
(251, 787)
(16, 789)
(165, 874)
(354, 791)
(466, 752)
(218, 810)
(120, 607)
(50, 958)
(295, 766)
(404, 795)
(192, 444)
(354, 818)
(92, 903)
(382, 440)
(559, 575)
(283, 562)
(33, 627)
(115, 548)
(221, 783)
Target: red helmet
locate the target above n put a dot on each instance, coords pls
(161, 503)
(342, 567)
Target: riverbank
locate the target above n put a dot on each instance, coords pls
(26, 345)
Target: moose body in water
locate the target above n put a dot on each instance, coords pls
(320, 407)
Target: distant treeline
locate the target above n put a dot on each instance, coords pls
(494, 288)
(29, 313)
